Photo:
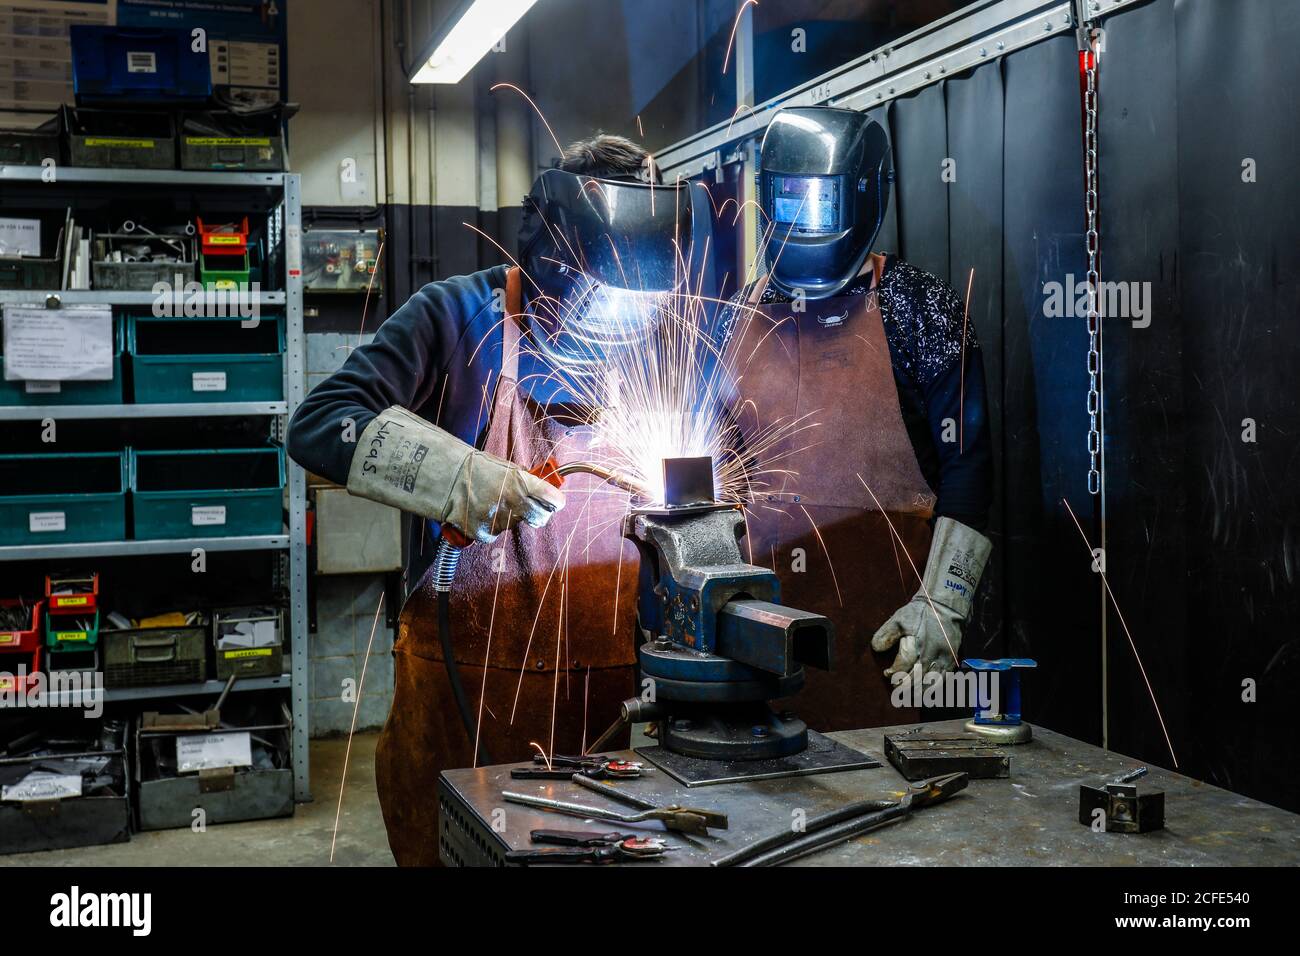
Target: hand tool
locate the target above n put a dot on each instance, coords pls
(566, 768)
(833, 828)
(580, 846)
(1122, 808)
(674, 817)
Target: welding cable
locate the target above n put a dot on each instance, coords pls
(453, 675)
(851, 811)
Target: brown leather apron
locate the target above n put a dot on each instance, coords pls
(819, 527)
(542, 622)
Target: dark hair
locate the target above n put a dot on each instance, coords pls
(608, 157)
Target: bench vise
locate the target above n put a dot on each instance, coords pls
(719, 644)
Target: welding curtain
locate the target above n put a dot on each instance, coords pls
(989, 178)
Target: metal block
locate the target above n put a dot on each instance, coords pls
(920, 755)
(1123, 809)
(688, 481)
(356, 536)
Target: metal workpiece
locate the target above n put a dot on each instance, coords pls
(1118, 807)
(773, 638)
(919, 754)
(1029, 819)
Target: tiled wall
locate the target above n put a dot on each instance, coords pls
(345, 610)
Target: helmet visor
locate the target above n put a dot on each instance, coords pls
(807, 204)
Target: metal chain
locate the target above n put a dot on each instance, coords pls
(1094, 277)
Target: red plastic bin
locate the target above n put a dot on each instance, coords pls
(21, 642)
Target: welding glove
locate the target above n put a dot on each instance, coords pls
(927, 630)
(404, 461)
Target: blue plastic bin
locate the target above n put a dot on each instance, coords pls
(64, 497)
(144, 64)
(206, 360)
(205, 493)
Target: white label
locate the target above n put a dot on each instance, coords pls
(42, 388)
(70, 344)
(38, 521)
(141, 61)
(207, 515)
(209, 751)
(42, 785)
(20, 237)
(208, 381)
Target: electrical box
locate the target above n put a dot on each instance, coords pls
(356, 536)
(341, 260)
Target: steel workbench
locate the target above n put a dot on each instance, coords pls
(1029, 819)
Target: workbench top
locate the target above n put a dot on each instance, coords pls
(1029, 819)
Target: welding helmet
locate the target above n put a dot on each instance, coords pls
(824, 187)
(601, 260)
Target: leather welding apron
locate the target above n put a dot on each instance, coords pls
(542, 623)
(818, 525)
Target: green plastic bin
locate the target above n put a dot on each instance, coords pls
(208, 493)
(65, 497)
(72, 632)
(206, 359)
(105, 392)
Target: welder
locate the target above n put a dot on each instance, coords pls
(462, 391)
(879, 360)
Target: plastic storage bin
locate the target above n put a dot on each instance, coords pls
(208, 493)
(146, 65)
(71, 632)
(103, 392)
(206, 360)
(112, 138)
(29, 137)
(143, 274)
(57, 498)
(71, 593)
(220, 139)
(26, 639)
(149, 656)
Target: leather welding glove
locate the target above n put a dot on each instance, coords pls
(403, 461)
(927, 630)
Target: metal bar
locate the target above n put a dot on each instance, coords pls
(112, 695)
(38, 297)
(110, 549)
(23, 413)
(148, 177)
(773, 638)
(295, 391)
(901, 65)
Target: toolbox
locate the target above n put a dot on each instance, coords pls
(248, 642)
(179, 772)
(29, 137)
(221, 139)
(25, 639)
(150, 656)
(42, 270)
(71, 592)
(46, 815)
(148, 64)
(151, 258)
(214, 492)
(67, 632)
(62, 497)
(120, 138)
(206, 359)
(102, 392)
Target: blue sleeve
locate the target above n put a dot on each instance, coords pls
(406, 364)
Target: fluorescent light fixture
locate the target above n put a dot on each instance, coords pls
(466, 37)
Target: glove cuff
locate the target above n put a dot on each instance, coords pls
(403, 461)
(956, 563)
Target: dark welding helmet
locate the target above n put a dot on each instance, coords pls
(824, 187)
(602, 258)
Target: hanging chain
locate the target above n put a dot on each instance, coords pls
(1094, 276)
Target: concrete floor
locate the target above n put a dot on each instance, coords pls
(300, 840)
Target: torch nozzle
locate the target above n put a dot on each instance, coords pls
(617, 479)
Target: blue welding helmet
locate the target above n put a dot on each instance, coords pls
(601, 259)
(824, 188)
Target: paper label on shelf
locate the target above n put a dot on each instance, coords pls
(42, 785)
(208, 381)
(38, 521)
(42, 388)
(209, 751)
(141, 61)
(20, 237)
(207, 515)
(70, 344)
(293, 249)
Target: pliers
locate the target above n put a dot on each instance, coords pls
(564, 768)
(582, 846)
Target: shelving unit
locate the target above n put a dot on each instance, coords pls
(286, 189)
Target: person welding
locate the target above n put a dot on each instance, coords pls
(445, 415)
(878, 360)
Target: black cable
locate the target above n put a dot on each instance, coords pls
(453, 675)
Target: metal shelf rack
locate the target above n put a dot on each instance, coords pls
(287, 188)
